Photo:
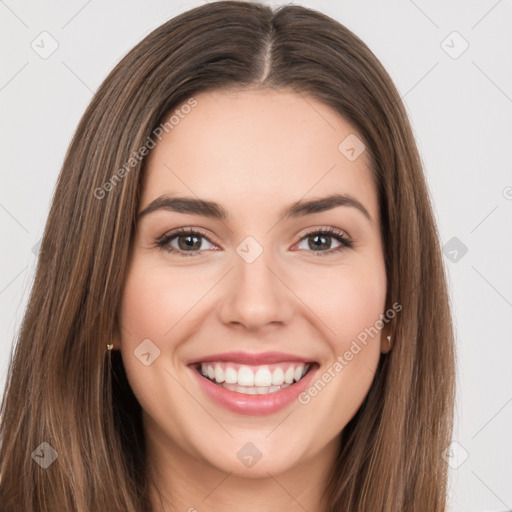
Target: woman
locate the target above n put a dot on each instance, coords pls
(240, 297)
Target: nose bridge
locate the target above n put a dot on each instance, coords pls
(254, 275)
(256, 295)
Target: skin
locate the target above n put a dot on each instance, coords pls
(254, 152)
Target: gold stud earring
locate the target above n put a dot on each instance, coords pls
(110, 347)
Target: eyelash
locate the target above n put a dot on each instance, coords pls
(163, 241)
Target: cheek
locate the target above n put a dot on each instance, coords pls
(155, 300)
(348, 300)
(357, 308)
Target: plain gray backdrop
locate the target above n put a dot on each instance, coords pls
(451, 63)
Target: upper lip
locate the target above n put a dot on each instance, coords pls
(250, 358)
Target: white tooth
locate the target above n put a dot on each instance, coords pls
(211, 372)
(204, 369)
(245, 376)
(298, 372)
(219, 374)
(230, 375)
(288, 376)
(273, 389)
(277, 377)
(263, 377)
(306, 368)
(252, 391)
(262, 390)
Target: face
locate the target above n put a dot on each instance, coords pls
(263, 298)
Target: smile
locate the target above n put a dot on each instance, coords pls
(252, 384)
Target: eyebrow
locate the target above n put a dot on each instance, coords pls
(214, 210)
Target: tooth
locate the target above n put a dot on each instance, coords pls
(240, 389)
(230, 375)
(245, 376)
(219, 374)
(263, 377)
(263, 380)
(288, 376)
(277, 377)
(261, 390)
(298, 372)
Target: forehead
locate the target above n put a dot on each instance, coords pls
(254, 148)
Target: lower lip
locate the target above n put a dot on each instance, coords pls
(242, 403)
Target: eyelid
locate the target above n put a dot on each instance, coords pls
(185, 230)
(329, 229)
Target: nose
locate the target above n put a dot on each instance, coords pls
(256, 295)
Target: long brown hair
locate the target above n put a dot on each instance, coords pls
(63, 390)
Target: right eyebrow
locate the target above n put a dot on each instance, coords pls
(185, 205)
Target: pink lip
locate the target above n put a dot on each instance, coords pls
(254, 404)
(251, 359)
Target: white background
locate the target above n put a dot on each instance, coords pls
(460, 109)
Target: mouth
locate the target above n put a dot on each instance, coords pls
(253, 379)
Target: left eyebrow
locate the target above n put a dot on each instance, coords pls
(214, 210)
(301, 208)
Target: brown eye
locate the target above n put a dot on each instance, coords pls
(320, 241)
(189, 242)
(186, 242)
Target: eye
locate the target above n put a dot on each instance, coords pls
(189, 242)
(319, 239)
